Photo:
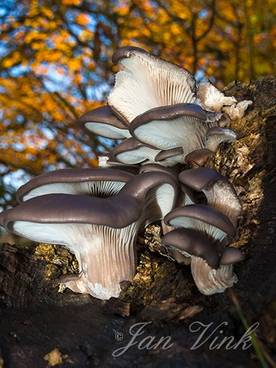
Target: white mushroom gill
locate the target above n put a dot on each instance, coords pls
(191, 223)
(187, 132)
(159, 202)
(108, 131)
(147, 82)
(100, 188)
(138, 155)
(223, 198)
(106, 255)
(211, 281)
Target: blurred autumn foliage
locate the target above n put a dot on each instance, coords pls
(56, 64)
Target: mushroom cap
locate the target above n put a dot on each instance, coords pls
(199, 178)
(218, 191)
(68, 209)
(198, 157)
(70, 181)
(126, 52)
(131, 151)
(216, 135)
(182, 216)
(165, 154)
(145, 81)
(231, 256)
(117, 211)
(102, 121)
(159, 168)
(167, 127)
(192, 243)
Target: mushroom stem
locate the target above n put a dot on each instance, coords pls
(210, 281)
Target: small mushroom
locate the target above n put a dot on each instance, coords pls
(202, 218)
(211, 98)
(101, 232)
(145, 82)
(215, 136)
(103, 122)
(219, 192)
(211, 274)
(169, 127)
(131, 151)
(211, 281)
(101, 182)
(192, 243)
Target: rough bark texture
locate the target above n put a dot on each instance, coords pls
(36, 318)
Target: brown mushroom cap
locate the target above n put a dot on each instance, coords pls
(191, 242)
(219, 192)
(168, 127)
(102, 121)
(165, 154)
(231, 256)
(70, 180)
(199, 178)
(125, 52)
(131, 151)
(182, 216)
(159, 168)
(198, 157)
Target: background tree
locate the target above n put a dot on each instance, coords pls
(56, 64)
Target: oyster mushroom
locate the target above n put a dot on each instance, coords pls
(219, 192)
(101, 182)
(211, 273)
(131, 151)
(101, 232)
(202, 218)
(103, 122)
(211, 280)
(145, 82)
(170, 157)
(169, 127)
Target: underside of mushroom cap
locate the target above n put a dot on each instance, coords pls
(98, 182)
(100, 232)
(216, 135)
(211, 281)
(67, 208)
(157, 190)
(146, 82)
(103, 122)
(190, 243)
(169, 127)
(203, 218)
(131, 151)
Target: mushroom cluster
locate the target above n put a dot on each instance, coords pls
(169, 127)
